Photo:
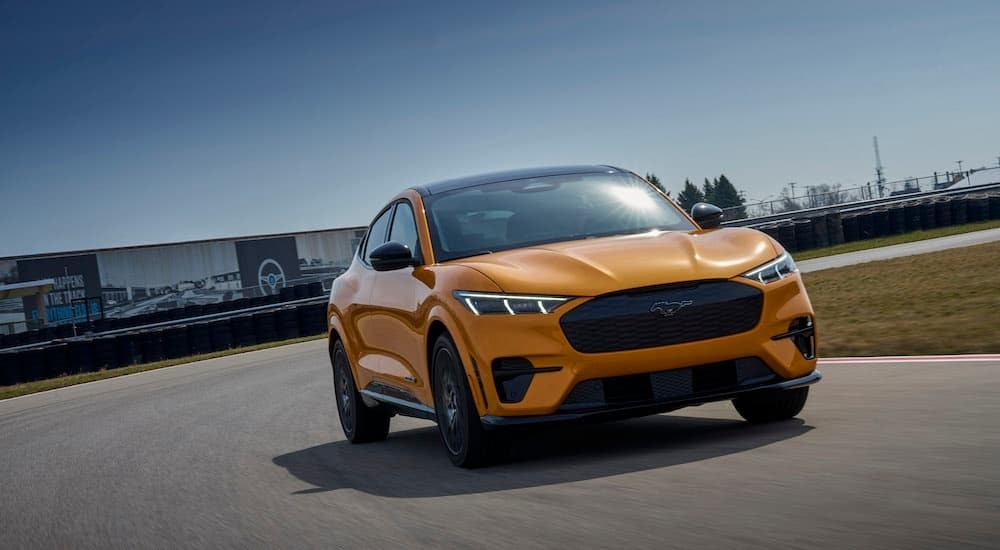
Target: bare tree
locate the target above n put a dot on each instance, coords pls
(786, 203)
(824, 195)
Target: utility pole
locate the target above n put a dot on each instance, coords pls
(792, 185)
(879, 169)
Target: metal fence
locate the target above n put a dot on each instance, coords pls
(820, 196)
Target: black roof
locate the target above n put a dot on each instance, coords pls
(509, 175)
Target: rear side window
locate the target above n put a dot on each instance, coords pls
(376, 234)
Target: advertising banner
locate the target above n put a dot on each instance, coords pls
(267, 265)
(324, 255)
(76, 278)
(136, 281)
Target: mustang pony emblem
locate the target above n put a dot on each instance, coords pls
(668, 309)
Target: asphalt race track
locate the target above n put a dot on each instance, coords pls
(245, 452)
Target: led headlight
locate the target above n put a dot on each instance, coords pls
(482, 303)
(775, 270)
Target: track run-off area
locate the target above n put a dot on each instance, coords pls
(245, 452)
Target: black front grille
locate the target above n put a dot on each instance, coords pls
(662, 317)
(669, 385)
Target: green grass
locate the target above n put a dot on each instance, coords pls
(943, 302)
(74, 379)
(896, 239)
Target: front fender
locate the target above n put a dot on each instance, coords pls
(474, 374)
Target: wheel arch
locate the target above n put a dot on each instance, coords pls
(336, 334)
(438, 327)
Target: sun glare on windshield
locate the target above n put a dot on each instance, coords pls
(634, 198)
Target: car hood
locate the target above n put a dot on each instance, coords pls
(598, 266)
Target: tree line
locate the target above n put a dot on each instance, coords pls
(719, 191)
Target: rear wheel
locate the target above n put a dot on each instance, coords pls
(467, 443)
(360, 423)
(771, 406)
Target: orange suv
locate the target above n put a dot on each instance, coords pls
(561, 294)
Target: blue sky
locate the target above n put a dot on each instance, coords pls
(148, 122)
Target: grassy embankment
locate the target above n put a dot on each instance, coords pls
(938, 303)
(944, 302)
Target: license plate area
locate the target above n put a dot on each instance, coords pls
(714, 377)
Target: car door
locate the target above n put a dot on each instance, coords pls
(394, 327)
(361, 282)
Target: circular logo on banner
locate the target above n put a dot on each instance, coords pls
(271, 276)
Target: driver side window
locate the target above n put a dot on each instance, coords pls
(404, 228)
(376, 234)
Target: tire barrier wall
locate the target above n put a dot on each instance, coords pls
(832, 228)
(84, 355)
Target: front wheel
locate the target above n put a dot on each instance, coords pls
(771, 406)
(467, 443)
(360, 423)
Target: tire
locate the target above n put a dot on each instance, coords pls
(465, 440)
(771, 406)
(361, 423)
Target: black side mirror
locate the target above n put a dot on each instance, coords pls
(390, 256)
(708, 216)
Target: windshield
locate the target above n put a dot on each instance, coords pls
(514, 214)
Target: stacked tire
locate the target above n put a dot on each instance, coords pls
(287, 321)
(152, 345)
(221, 333)
(200, 338)
(264, 327)
(175, 342)
(81, 355)
(9, 366)
(312, 319)
(105, 353)
(243, 331)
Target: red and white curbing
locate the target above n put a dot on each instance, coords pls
(913, 359)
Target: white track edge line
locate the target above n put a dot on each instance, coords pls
(912, 359)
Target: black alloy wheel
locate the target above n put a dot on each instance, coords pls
(467, 443)
(360, 422)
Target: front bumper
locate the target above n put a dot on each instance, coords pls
(618, 412)
(494, 344)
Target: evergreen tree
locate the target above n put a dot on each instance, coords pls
(709, 191)
(725, 196)
(690, 196)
